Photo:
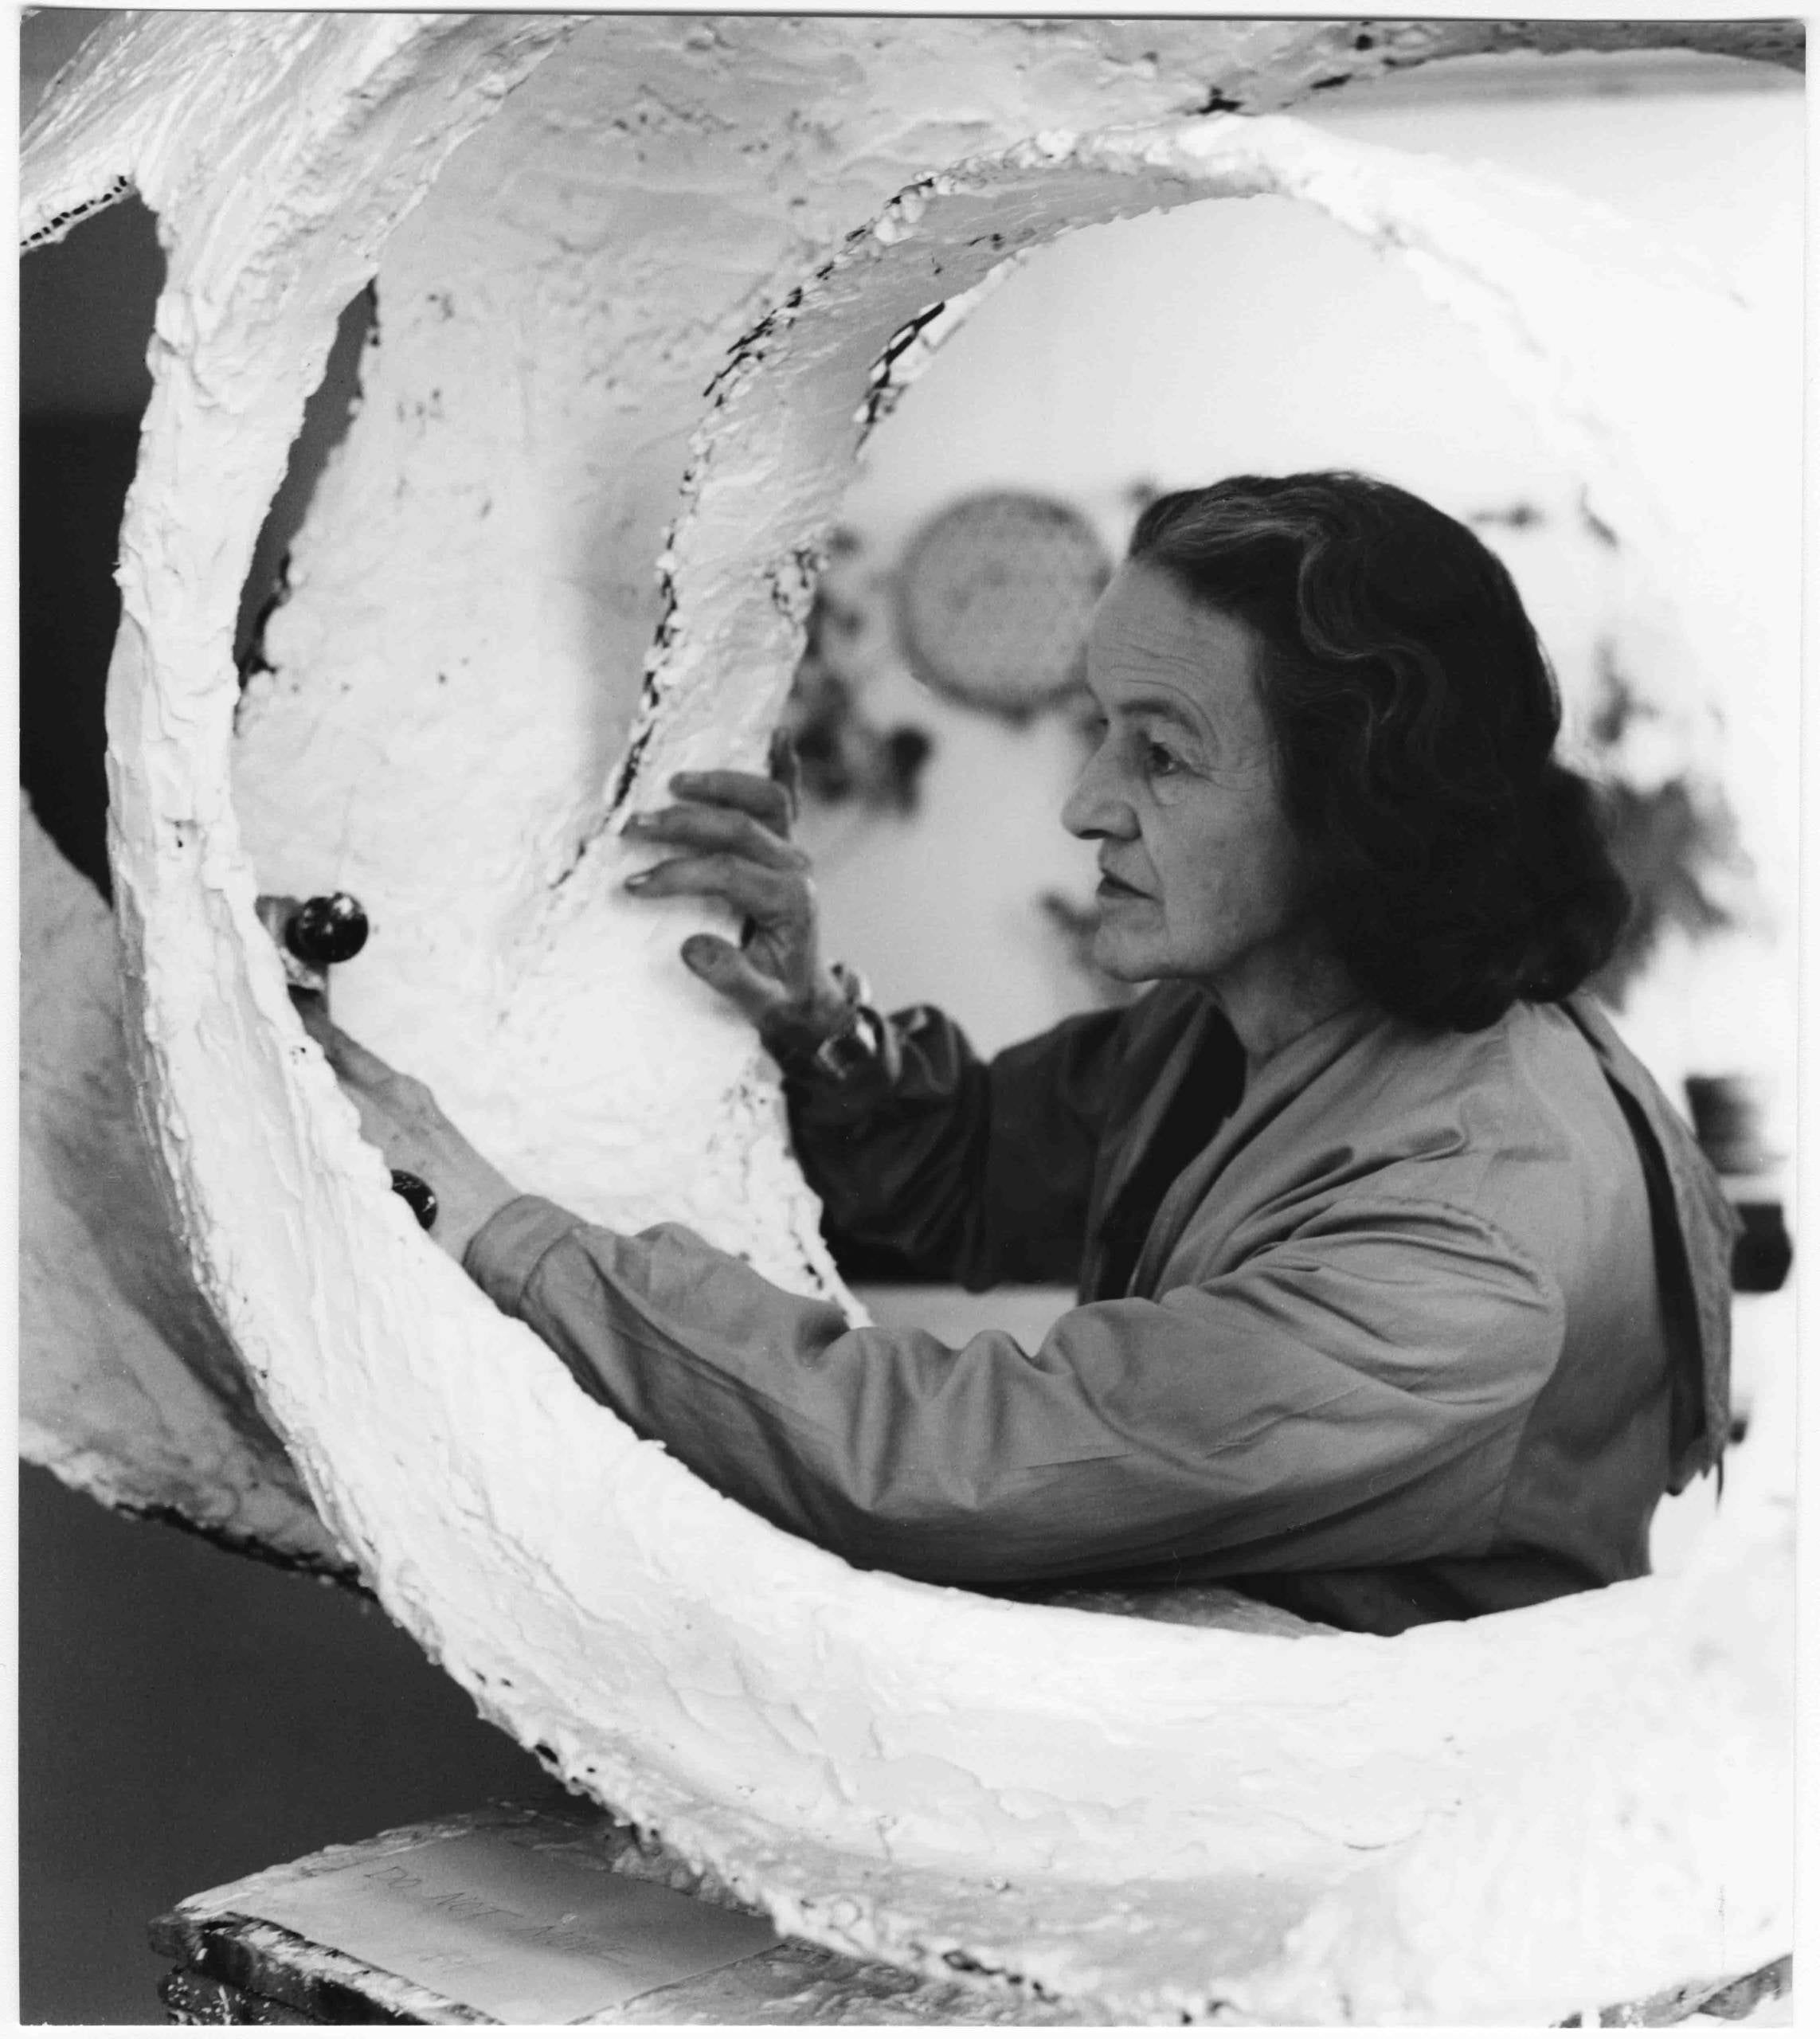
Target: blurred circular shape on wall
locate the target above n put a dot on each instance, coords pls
(994, 597)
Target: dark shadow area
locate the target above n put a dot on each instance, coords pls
(85, 318)
(327, 416)
(73, 477)
(185, 1718)
(85, 311)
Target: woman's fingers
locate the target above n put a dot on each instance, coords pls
(312, 1008)
(720, 964)
(749, 793)
(699, 827)
(733, 830)
(770, 897)
(786, 768)
(357, 1066)
(345, 1055)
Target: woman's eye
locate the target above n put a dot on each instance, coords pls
(1159, 760)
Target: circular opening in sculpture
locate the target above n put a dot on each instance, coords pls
(1121, 360)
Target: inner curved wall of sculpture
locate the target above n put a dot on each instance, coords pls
(457, 712)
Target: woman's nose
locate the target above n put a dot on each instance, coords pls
(1097, 807)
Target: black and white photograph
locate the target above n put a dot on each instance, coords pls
(909, 939)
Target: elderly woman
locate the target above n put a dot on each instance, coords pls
(1404, 1293)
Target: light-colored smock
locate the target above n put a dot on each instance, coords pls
(1423, 1326)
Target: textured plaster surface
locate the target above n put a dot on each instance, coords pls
(149, 1410)
(1509, 1820)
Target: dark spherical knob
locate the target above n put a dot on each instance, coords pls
(329, 930)
(418, 1193)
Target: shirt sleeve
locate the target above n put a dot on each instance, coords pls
(968, 1171)
(1260, 1419)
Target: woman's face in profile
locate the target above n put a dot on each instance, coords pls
(1199, 869)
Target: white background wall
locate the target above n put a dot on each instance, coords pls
(1257, 336)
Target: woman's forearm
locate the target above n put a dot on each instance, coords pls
(1283, 1417)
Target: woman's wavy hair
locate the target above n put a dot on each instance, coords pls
(1455, 865)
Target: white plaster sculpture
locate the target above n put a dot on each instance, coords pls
(1505, 1820)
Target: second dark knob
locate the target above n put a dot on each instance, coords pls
(330, 929)
(418, 1193)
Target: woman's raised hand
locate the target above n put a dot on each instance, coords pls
(731, 834)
